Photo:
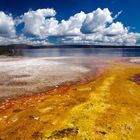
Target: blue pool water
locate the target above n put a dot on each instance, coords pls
(66, 52)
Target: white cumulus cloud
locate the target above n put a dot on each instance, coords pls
(96, 20)
(73, 25)
(7, 25)
(116, 29)
(36, 22)
(99, 27)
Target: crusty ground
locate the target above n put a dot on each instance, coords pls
(26, 76)
(106, 108)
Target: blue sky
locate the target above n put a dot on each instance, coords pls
(119, 20)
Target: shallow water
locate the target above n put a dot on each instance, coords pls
(77, 52)
(98, 52)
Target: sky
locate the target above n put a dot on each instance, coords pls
(60, 22)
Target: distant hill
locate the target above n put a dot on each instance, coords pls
(24, 46)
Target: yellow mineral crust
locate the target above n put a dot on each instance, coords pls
(107, 108)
